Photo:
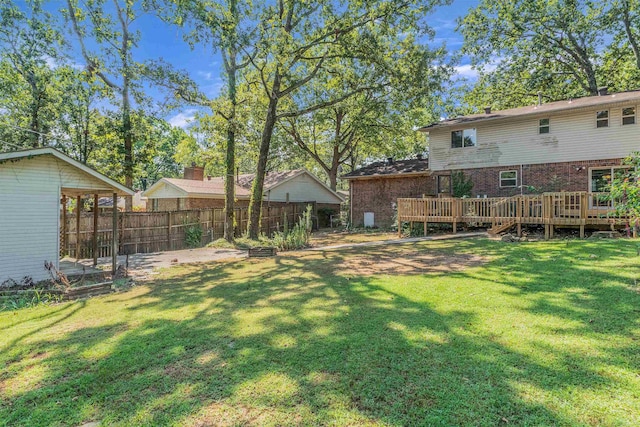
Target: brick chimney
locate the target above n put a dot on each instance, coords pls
(194, 172)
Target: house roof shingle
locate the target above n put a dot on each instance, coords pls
(271, 179)
(409, 166)
(585, 102)
(213, 186)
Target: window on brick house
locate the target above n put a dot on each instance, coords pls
(629, 116)
(154, 204)
(602, 119)
(463, 138)
(508, 179)
(444, 184)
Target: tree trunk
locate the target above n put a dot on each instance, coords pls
(128, 146)
(626, 20)
(230, 161)
(255, 205)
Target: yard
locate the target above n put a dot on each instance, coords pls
(462, 332)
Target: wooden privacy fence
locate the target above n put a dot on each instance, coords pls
(144, 232)
(549, 209)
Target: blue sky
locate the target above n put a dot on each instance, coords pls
(159, 40)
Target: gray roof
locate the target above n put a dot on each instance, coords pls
(409, 166)
(570, 104)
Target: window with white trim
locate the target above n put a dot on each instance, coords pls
(463, 138)
(602, 119)
(600, 178)
(544, 126)
(508, 179)
(629, 116)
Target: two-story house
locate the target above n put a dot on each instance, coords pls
(570, 145)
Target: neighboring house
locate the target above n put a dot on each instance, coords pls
(32, 183)
(375, 188)
(139, 203)
(571, 145)
(195, 191)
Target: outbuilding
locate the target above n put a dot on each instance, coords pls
(34, 185)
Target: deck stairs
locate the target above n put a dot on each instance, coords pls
(502, 226)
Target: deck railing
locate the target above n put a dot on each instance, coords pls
(574, 208)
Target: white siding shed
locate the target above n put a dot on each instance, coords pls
(31, 185)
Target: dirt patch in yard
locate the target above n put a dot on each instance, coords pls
(407, 263)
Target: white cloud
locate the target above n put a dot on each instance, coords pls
(471, 72)
(206, 75)
(183, 119)
(466, 71)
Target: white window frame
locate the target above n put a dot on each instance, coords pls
(547, 126)
(505, 179)
(628, 115)
(592, 205)
(608, 119)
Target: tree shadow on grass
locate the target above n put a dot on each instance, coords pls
(297, 340)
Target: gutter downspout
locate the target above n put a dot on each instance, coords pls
(350, 203)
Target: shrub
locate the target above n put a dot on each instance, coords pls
(193, 236)
(296, 237)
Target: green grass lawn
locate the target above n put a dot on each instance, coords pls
(472, 332)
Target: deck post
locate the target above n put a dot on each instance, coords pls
(95, 230)
(519, 201)
(582, 231)
(551, 230)
(425, 225)
(78, 207)
(454, 213)
(114, 248)
(546, 232)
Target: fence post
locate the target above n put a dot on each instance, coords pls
(168, 231)
(399, 220)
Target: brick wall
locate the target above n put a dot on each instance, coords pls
(377, 195)
(569, 176)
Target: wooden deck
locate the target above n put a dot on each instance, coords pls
(564, 209)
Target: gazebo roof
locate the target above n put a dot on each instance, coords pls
(88, 181)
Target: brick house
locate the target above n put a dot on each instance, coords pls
(374, 189)
(195, 191)
(570, 145)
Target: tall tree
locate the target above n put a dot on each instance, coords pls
(223, 25)
(300, 41)
(538, 43)
(114, 63)
(29, 44)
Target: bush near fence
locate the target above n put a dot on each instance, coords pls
(145, 232)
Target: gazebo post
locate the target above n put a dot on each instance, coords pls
(114, 249)
(95, 230)
(78, 207)
(63, 240)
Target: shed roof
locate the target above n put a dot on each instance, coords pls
(107, 185)
(386, 169)
(569, 104)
